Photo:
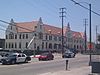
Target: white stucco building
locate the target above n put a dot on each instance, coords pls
(45, 37)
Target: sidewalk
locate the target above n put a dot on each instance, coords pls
(77, 71)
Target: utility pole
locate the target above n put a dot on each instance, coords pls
(85, 34)
(62, 17)
(96, 35)
(90, 33)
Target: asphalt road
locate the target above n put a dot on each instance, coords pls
(40, 67)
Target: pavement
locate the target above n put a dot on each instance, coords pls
(85, 70)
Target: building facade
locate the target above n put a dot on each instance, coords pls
(36, 35)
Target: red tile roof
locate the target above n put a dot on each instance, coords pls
(52, 30)
(30, 27)
(26, 26)
(78, 35)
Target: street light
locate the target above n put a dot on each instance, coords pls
(89, 24)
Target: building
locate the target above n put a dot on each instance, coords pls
(2, 43)
(36, 35)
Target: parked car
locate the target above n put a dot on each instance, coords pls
(0, 58)
(46, 56)
(68, 54)
(15, 58)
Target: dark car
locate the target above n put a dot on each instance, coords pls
(46, 56)
(15, 58)
(68, 54)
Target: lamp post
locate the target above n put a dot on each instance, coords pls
(89, 24)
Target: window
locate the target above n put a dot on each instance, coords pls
(34, 45)
(35, 26)
(6, 45)
(26, 36)
(59, 46)
(46, 37)
(55, 38)
(23, 36)
(6, 36)
(19, 55)
(9, 45)
(20, 45)
(15, 45)
(19, 36)
(35, 34)
(55, 46)
(15, 36)
(26, 44)
(23, 55)
(11, 27)
(59, 38)
(12, 46)
(11, 36)
(46, 45)
(50, 37)
(42, 45)
(40, 35)
(50, 46)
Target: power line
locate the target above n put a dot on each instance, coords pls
(35, 4)
(85, 7)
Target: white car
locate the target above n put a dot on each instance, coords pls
(15, 58)
(68, 54)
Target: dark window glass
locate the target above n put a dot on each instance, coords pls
(50, 37)
(6, 45)
(20, 45)
(15, 36)
(26, 44)
(12, 46)
(42, 45)
(15, 45)
(46, 45)
(55, 46)
(19, 36)
(26, 36)
(23, 36)
(55, 38)
(46, 37)
(50, 46)
(6, 36)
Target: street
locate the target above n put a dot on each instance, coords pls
(40, 67)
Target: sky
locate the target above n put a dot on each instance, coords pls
(29, 10)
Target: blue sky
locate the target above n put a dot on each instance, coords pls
(29, 10)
